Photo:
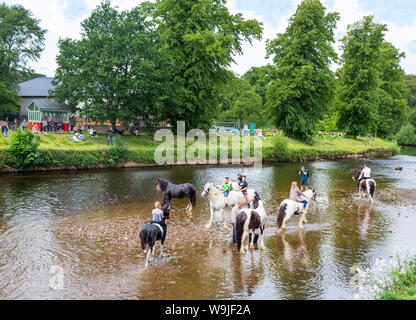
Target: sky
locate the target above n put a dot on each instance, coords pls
(62, 19)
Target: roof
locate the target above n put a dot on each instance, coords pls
(50, 105)
(38, 87)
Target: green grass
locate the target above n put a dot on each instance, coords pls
(402, 282)
(141, 149)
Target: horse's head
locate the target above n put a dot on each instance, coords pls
(256, 201)
(310, 194)
(207, 189)
(356, 175)
(161, 185)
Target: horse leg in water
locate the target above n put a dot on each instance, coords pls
(224, 218)
(209, 225)
(243, 239)
(262, 246)
(252, 236)
(149, 252)
(302, 221)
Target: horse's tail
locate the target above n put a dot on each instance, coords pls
(282, 214)
(241, 221)
(143, 236)
(372, 188)
(193, 197)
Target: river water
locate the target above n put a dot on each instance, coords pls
(75, 235)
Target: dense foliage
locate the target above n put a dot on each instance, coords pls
(21, 42)
(303, 85)
(202, 38)
(23, 147)
(117, 70)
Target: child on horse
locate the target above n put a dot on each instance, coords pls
(158, 217)
(226, 188)
(243, 188)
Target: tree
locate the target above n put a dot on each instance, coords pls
(117, 70)
(392, 108)
(9, 101)
(359, 77)
(21, 41)
(410, 81)
(302, 83)
(259, 78)
(202, 38)
(246, 107)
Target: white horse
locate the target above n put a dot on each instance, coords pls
(289, 208)
(252, 224)
(217, 201)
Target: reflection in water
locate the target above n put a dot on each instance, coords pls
(88, 224)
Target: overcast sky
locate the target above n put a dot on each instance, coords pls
(62, 19)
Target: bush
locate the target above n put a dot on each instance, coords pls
(119, 151)
(23, 146)
(407, 136)
(281, 148)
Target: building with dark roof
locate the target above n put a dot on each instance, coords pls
(35, 89)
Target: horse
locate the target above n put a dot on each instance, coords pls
(217, 201)
(289, 208)
(152, 233)
(368, 185)
(251, 225)
(172, 191)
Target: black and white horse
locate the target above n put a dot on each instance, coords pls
(172, 191)
(367, 185)
(289, 208)
(152, 233)
(252, 224)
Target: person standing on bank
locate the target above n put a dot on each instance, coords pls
(110, 136)
(304, 179)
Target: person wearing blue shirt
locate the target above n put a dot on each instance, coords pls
(304, 178)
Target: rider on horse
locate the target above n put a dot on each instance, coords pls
(297, 195)
(159, 218)
(243, 188)
(226, 188)
(365, 175)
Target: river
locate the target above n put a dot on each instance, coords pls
(87, 224)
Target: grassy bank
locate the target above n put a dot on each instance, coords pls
(57, 150)
(401, 282)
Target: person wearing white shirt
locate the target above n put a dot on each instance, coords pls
(365, 174)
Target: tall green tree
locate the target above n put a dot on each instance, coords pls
(360, 78)
(410, 81)
(202, 38)
(392, 106)
(303, 84)
(21, 41)
(117, 70)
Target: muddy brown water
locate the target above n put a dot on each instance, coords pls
(88, 224)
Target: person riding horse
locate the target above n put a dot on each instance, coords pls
(365, 175)
(297, 195)
(243, 185)
(159, 217)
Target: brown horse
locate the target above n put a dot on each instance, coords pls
(368, 186)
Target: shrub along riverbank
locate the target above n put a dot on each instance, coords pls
(25, 151)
